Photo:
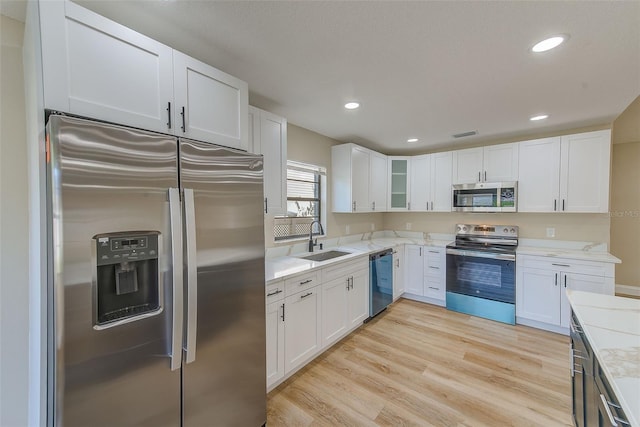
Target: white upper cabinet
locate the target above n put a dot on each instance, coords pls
(210, 105)
(268, 136)
(96, 68)
(378, 181)
(430, 183)
(565, 174)
(353, 179)
(539, 181)
(398, 183)
(420, 183)
(493, 163)
(467, 166)
(441, 175)
(585, 166)
(500, 163)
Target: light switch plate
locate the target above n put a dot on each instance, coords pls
(551, 232)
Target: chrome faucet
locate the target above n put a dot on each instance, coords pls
(311, 242)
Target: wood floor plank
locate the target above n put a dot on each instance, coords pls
(420, 365)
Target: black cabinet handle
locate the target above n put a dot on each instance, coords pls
(563, 205)
(283, 312)
(306, 295)
(306, 281)
(266, 207)
(555, 205)
(184, 123)
(169, 115)
(275, 292)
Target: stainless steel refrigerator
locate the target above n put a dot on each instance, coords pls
(156, 289)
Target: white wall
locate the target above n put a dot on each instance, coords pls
(14, 256)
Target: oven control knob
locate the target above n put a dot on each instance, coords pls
(506, 230)
(513, 230)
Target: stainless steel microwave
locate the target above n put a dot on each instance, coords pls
(485, 197)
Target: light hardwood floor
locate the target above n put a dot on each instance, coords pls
(418, 364)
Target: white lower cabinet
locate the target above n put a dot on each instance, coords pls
(541, 284)
(309, 312)
(334, 309)
(358, 299)
(302, 329)
(398, 272)
(414, 274)
(434, 273)
(275, 342)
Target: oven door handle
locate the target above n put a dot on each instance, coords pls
(505, 257)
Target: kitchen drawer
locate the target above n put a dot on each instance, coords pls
(344, 269)
(434, 258)
(302, 282)
(592, 268)
(434, 289)
(275, 291)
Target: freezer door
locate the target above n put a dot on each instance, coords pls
(224, 374)
(110, 350)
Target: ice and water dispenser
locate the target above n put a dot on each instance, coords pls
(127, 284)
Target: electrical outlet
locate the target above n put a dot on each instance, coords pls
(551, 232)
(408, 226)
(373, 227)
(347, 229)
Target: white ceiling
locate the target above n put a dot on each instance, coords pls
(421, 69)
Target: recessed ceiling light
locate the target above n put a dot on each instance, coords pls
(412, 140)
(351, 105)
(540, 117)
(549, 43)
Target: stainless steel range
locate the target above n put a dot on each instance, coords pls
(481, 267)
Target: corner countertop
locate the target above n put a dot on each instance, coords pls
(287, 261)
(585, 251)
(612, 327)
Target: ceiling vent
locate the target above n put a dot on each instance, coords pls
(465, 134)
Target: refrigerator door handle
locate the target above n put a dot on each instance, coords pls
(176, 258)
(192, 275)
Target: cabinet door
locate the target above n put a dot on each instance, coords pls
(97, 68)
(358, 299)
(538, 295)
(275, 342)
(334, 310)
(210, 105)
(467, 166)
(420, 183)
(273, 146)
(398, 183)
(441, 174)
(584, 179)
(378, 183)
(500, 163)
(414, 270)
(539, 177)
(578, 282)
(360, 179)
(398, 272)
(302, 329)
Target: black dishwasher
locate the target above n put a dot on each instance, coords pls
(380, 281)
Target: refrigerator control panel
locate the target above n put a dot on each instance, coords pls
(112, 249)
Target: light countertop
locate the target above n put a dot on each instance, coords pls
(577, 254)
(612, 327)
(286, 261)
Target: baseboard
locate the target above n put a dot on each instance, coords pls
(628, 290)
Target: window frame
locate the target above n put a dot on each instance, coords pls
(297, 221)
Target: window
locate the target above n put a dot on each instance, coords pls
(305, 201)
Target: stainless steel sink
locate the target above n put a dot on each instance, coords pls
(323, 256)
